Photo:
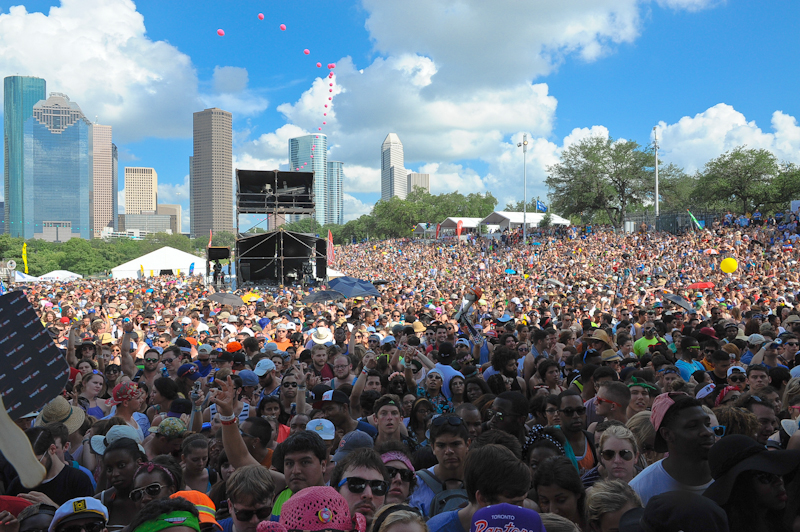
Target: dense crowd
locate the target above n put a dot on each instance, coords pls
(616, 382)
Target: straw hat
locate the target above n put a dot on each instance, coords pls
(60, 411)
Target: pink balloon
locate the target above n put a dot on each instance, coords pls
(319, 65)
(324, 114)
(318, 129)
(324, 123)
(330, 98)
(317, 136)
(330, 75)
(332, 66)
(283, 27)
(306, 51)
(330, 90)
(261, 16)
(330, 84)
(221, 32)
(326, 105)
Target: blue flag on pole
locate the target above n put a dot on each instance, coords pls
(541, 206)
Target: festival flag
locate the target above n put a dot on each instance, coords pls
(438, 227)
(151, 273)
(2, 288)
(210, 234)
(459, 227)
(330, 248)
(695, 220)
(25, 256)
(141, 266)
(191, 269)
(541, 206)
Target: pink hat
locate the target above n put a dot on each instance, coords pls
(316, 508)
(658, 410)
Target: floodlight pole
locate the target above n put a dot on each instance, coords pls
(655, 146)
(524, 145)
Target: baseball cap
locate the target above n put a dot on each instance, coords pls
(270, 346)
(233, 347)
(334, 396)
(170, 427)
(263, 367)
(117, 432)
(78, 508)
(388, 339)
(248, 378)
(205, 349)
(189, 371)
(186, 321)
(756, 339)
(352, 441)
(506, 516)
(323, 428)
(462, 341)
(735, 369)
(205, 506)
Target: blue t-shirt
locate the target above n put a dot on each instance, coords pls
(369, 429)
(226, 524)
(446, 522)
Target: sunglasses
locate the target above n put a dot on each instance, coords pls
(167, 360)
(94, 526)
(609, 401)
(289, 384)
(570, 411)
(151, 360)
(262, 513)
(452, 420)
(765, 478)
(358, 485)
(625, 454)
(719, 430)
(736, 378)
(153, 490)
(495, 414)
(406, 475)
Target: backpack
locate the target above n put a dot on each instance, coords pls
(443, 500)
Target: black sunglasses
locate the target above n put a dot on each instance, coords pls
(406, 475)
(153, 490)
(570, 411)
(289, 384)
(358, 485)
(94, 526)
(262, 513)
(736, 378)
(441, 420)
(625, 454)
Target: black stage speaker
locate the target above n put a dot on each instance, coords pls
(217, 253)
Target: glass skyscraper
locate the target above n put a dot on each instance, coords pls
(309, 153)
(58, 172)
(334, 200)
(20, 94)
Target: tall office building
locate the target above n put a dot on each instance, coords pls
(334, 200)
(310, 154)
(394, 178)
(211, 173)
(20, 93)
(103, 180)
(174, 211)
(141, 189)
(115, 186)
(59, 172)
(419, 180)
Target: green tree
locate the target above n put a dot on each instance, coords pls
(304, 225)
(677, 189)
(601, 175)
(546, 221)
(742, 177)
(222, 239)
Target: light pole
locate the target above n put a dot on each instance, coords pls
(524, 145)
(655, 146)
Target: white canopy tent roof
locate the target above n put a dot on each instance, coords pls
(165, 258)
(20, 277)
(466, 223)
(513, 220)
(60, 275)
(333, 274)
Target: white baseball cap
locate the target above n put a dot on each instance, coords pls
(323, 428)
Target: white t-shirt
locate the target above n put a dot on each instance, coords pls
(655, 480)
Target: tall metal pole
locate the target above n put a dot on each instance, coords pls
(655, 145)
(524, 145)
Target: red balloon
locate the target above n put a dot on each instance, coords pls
(283, 27)
(221, 32)
(319, 65)
(261, 16)
(306, 51)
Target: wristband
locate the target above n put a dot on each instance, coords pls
(230, 422)
(303, 387)
(226, 418)
(364, 371)
(198, 409)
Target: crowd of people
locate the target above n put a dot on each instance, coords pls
(617, 382)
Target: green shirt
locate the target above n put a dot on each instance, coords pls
(641, 346)
(279, 500)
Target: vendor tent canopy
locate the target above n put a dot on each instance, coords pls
(20, 277)
(60, 275)
(164, 259)
(333, 274)
(514, 220)
(466, 223)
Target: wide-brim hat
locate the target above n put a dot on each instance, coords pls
(600, 334)
(737, 453)
(60, 411)
(322, 335)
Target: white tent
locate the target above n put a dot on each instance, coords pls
(60, 275)
(162, 259)
(20, 277)
(514, 220)
(333, 274)
(468, 225)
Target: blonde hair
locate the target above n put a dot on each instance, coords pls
(250, 484)
(621, 433)
(792, 390)
(556, 523)
(395, 517)
(607, 496)
(641, 427)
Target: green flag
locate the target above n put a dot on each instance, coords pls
(694, 220)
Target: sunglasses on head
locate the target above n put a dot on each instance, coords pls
(262, 513)
(153, 490)
(94, 526)
(406, 475)
(452, 420)
(358, 485)
(625, 454)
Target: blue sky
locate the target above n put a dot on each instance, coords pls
(459, 82)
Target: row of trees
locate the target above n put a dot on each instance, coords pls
(397, 217)
(601, 180)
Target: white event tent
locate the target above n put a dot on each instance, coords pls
(20, 277)
(161, 260)
(60, 275)
(514, 220)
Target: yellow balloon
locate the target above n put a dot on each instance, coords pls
(729, 265)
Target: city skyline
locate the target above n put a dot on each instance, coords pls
(211, 176)
(394, 176)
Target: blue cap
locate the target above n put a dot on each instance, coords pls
(506, 516)
(248, 378)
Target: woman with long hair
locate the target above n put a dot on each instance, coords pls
(164, 392)
(194, 458)
(271, 409)
(89, 391)
(218, 493)
(419, 421)
(474, 387)
(560, 490)
(456, 390)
